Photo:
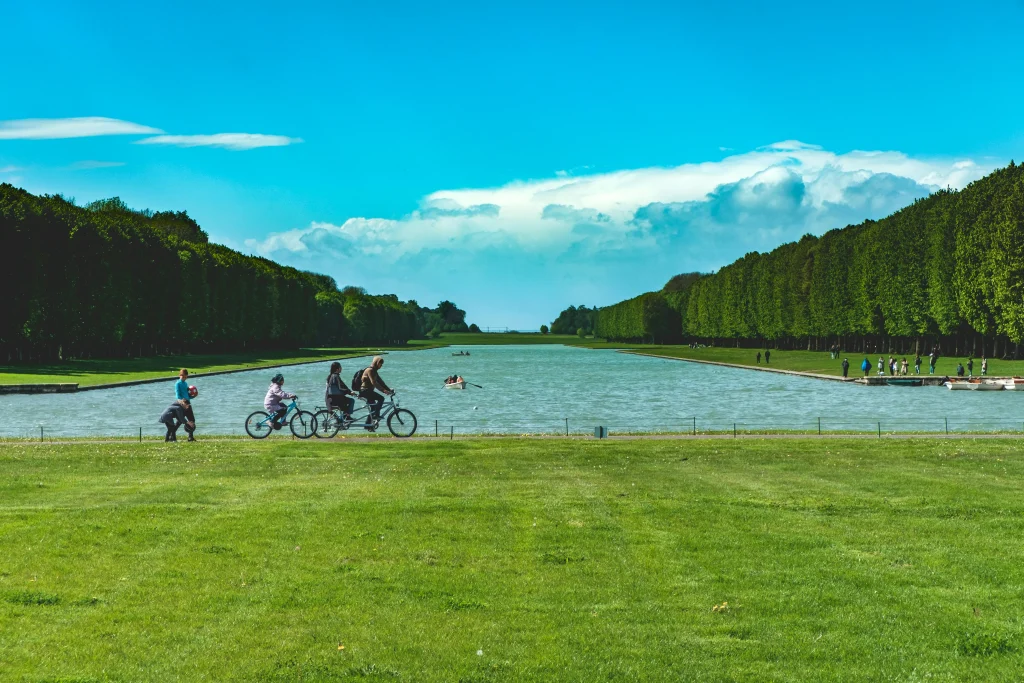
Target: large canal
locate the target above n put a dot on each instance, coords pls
(533, 389)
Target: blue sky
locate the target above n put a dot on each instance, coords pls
(514, 158)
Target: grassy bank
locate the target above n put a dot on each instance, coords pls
(106, 371)
(512, 560)
(811, 361)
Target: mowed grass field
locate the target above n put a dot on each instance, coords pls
(512, 560)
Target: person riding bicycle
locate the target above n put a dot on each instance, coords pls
(273, 403)
(337, 395)
(372, 383)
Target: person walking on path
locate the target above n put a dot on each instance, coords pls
(767, 356)
(758, 357)
(183, 394)
(984, 366)
(172, 417)
(970, 367)
(846, 366)
(917, 364)
(933, 358)
(865, 366)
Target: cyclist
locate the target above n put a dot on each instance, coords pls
(337, 395)
(273, 403)
(372, 383)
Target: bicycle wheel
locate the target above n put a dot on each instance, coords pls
(326, 424)
(257, 425)
(303, 424)
(402, 423)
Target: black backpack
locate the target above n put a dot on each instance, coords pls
(357, 380)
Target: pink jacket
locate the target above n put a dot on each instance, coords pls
(275, 396)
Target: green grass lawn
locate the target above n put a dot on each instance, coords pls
(105, 371)
(812, 361)
(513, 560)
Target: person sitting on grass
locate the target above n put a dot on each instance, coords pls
(172, 417)
(274, 401)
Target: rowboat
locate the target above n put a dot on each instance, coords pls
(455, 385)
(1012, 384)
(975, 385)
(903, 382)
(461, 353)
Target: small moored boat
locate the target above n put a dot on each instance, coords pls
(455, 385)
(904, 381)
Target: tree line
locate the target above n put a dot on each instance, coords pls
(107, 281)
(947, 270)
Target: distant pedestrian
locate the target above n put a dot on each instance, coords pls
(917, 364)
(933, 357)
(846, 366)
(970, 367)
(959, 369)
(892, 365)
(865, 366)
(984, 365)
(758, 357)
(881, 365)
(767, 356)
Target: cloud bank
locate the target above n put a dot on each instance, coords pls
(516, 254)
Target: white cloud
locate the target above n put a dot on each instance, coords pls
(90, 164)
(786, 188)
(78, 127)
(9, 169)
(232, 141)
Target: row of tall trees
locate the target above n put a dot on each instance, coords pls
(947, 270)
(106, 281)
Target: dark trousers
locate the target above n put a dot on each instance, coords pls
(340, 402)
(375, 400)
(190, 417)
(278, 416)
(172, 429)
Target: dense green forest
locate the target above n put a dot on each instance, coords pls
(105, 281)
(947, 270)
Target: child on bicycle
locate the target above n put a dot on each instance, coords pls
(337, 395)
(274, 401)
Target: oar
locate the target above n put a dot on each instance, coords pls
(474, 385)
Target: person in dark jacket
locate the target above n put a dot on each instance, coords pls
(173, 417)
(337, 395)
(846, 366)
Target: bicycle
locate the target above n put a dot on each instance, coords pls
(259, 424)
(400, 421)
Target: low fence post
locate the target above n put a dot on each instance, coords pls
(140, 434)
(695, 425)
(435, 428)
(819, 426)
(879, 430)
(567, 426)
(452, 437)
(734, 430)
(946, 420)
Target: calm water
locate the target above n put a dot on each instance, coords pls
(533, 389)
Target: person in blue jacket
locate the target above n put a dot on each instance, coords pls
(865, 365)
(182, 393)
